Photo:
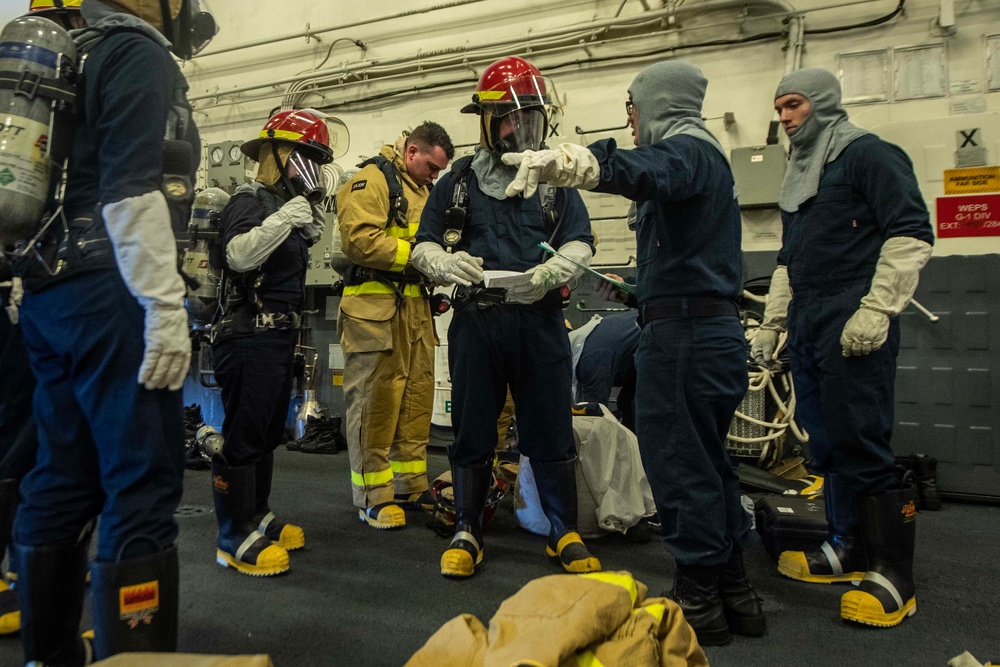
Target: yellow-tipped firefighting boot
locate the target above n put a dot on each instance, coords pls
(465, 552)
(556, 483)
(241, 546)
(386, 516)
(887, 594)
(841, 558)
(287, 536)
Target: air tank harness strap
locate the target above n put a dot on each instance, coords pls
(31, 85)
(358, 275)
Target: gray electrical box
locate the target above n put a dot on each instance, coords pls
(320, 271)
(758, 171)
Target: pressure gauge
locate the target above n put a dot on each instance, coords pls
(235, 154)
(217, 155)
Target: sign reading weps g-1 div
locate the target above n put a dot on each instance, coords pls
(974, 215)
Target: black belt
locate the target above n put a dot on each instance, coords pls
(483, 296)
(687, 307)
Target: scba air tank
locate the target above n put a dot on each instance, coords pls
(198, 261)
(37, 68)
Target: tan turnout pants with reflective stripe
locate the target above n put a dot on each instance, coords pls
(389, 395)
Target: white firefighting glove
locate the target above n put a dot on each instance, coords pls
(251, 249)
(14, 303)
(554, 272)
(779, 294)
(459, 268)
(896, 276)
(139, 228)
(313, 230)
(565, 166)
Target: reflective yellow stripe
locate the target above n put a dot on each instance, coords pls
(655, 610)
(280, 134)
(402, 255)
(624, 580)
(375, 287)
(491, 95)
(413, 467)
(588, 659)
(372, 478)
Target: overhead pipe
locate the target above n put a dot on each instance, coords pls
(307, 33)
(783, 6)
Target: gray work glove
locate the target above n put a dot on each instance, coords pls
(779, 294)
(566, 166)
(896, 276)
(458, 268)
(249, 250)
(146, 253)
(554, 272)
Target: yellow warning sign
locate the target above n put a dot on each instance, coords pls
(971, 180)
(338, 377)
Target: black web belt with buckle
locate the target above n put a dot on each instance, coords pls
(687, 307)
(280, 321)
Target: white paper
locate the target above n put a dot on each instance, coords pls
(506, 279)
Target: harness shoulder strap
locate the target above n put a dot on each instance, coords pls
(398, 205)
(458, 213)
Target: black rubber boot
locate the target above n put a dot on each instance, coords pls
(925, 468)
(841, 558)
(887, 594)
(10, 610)
(740, 601)
(51, 587)
(287, 536)
(556, 483)
(135, 604)
(241, 545)
(471, 485)
(696, 590)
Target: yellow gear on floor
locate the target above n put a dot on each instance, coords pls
(271, 561)
(558, 620)
(384, 517)
(572, 555)
(793, 564)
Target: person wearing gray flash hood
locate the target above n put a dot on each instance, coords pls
(856, 233)
(691, 360)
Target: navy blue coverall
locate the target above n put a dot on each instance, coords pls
(691, 366)
(608, 361)
(525, 347)
(255, 371)
(831, 247)
(107, 445)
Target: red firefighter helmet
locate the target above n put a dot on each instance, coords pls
(516, 105)
(306, 129)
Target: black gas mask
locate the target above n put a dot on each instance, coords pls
(191, 31)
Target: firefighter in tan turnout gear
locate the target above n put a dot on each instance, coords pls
(385, 325)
